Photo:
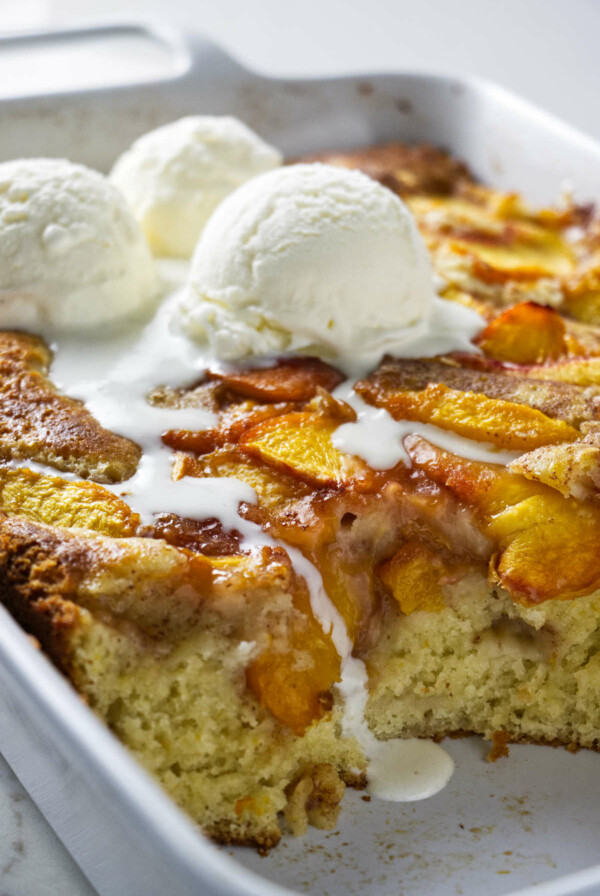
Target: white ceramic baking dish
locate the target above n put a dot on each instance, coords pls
(529, 820)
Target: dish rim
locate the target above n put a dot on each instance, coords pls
(51, 705)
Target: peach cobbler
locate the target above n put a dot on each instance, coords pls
(339, 556)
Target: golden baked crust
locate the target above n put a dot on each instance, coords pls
(404, 169)
(38, 423)
(38, 585)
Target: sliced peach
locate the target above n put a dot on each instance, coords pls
(576, 371)
(350, 586)
(296, 379)
(293, 680)
(57, 502)
(525, 334)
(503, 242)
(312, 526)
(546, 545)
(414, 575)
(582, 292)
(301, 444)
(465, 372)
(584, 305)
(515, 427)
(272, 486)
(524, 260)
(468, 480)
(201, 442)
(580, 371)
(581, 340)
(294, 694)
(233, 424)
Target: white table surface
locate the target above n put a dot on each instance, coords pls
(547, 51)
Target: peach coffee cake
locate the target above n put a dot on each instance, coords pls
(463, 572)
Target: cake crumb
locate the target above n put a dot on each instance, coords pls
(499, 746)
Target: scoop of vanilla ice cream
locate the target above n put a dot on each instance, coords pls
(175, 177)
(308, 257)
(71, 254)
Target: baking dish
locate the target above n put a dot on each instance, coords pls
(523, 821)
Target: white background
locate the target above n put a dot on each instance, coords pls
(547, 51)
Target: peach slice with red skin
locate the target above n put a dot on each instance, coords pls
(232, 427)
(293, 379)
(527, 333)
(281, 388)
